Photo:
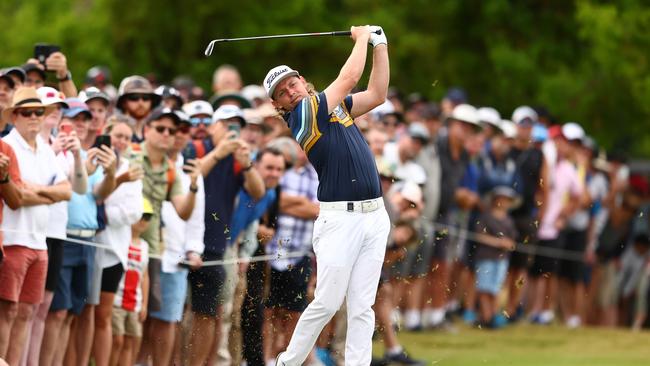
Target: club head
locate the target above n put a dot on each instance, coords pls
(210, 48)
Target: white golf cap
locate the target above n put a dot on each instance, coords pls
(252, 92)
(465, 113)
(489, 115)
(509, 128)
(51, 96)
(228, 111)
(198, 107)
(572, 131)
(412, 192)
(275, 76)
(524, 114)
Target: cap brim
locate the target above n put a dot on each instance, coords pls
(9, 80)
(72, 113)
(217, 101)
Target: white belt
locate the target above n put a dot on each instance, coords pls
(82, 233)
(354, 206)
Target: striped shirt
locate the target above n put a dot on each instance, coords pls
(294, 234)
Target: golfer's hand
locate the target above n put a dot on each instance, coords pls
(360, 33)
(377, 39)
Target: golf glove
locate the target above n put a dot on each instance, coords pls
(377, 39)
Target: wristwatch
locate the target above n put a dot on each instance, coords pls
(68, 76)
(250, 165)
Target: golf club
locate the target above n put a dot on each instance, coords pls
(208, 50)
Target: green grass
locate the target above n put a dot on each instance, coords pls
(528, 345)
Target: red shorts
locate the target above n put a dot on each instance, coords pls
(22, 274)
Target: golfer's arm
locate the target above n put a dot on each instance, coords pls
(349, 75)
(377, 86)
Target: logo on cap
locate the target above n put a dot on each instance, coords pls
(274, 76)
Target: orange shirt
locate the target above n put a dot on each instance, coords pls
(14, 176)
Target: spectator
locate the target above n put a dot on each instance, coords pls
(121, 210)
(130, 308)
(183, 240)
(462, 122)
(23, 272)
(490, 119)
(290, 276)
(17, 74)
(7, 87)
(403, 153)
(137, 99)
(496, 234)
(631, 281)
(255, 94)
(564, 183)
(100, 78)
(56, 63)
(76, 273)
(226, 168)
(226, 85)
(200, 113)
(98, 105)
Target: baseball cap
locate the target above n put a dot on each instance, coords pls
(228, 111)
(34, 67)
(91, 93)
(539, 133)
(14, 70)
(524, 114)
(51, 96)
(506, 191)
(489, 115)
(555, 131)
(198, 107)
(166, 91)
(253, 92)
(465, 113)
(456, 95)
(161, 112)
(7, 78)
(76, 107)
(573, 131)
(419, 132)
(410, 191)
(275, 76)
(509, 128)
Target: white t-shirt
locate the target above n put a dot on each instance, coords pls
(38, 167)
(408, 170)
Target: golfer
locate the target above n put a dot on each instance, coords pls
(351, 231)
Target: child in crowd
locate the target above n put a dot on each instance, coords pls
(495, 236)
(130, 307)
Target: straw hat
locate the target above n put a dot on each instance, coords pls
(25, 97)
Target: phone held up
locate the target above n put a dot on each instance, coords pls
(234, 127)
(42, 51)
(189, 153)
(102, 140)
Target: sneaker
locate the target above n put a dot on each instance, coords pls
(498, 321)
(469, 316)
(378, 362)
(324, 356)
(402, 358)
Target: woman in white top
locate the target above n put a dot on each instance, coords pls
(122, 209)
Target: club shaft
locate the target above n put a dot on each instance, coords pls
(208, 50)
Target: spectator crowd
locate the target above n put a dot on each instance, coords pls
(155, 224)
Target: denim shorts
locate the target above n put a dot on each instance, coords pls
(174, 291)
(490, 274)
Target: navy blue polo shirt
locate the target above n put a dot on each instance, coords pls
(337, 150)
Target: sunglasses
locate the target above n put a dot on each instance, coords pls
(205, 120)
(161, 130)
(136, 97)
(147, 217)
(184, 128)
(38, 112)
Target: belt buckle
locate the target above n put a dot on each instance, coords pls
(350, 207)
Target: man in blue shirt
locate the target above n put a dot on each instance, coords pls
(351, 231)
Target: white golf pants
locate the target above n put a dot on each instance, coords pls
(350, 248)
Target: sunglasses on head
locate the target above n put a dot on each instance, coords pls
(136, 97)
(161, 130)
(38, 112)
(205, 120)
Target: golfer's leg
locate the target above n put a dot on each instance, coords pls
(362, 290)
(330, 291)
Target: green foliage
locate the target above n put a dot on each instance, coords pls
(586, 60)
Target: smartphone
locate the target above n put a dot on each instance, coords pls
(189, 153)
(42, 51)
(236, 128)
(102, 140)
(66, 129)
